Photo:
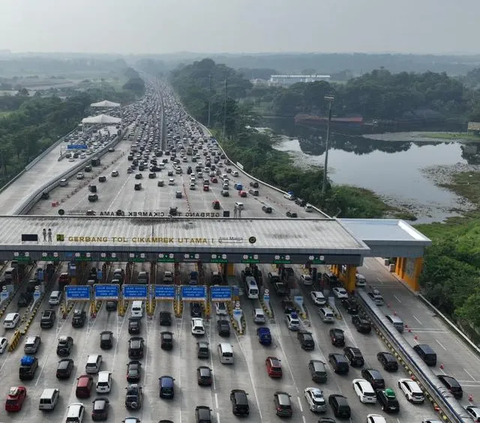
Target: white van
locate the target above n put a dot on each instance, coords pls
(94, 362)
(309, 208)
(55, 298)
(251, 287)
(137, 309)
(326, 315)
(225, 353)
(11, 321)
(104, 383)
(49, 399)
(63, 182)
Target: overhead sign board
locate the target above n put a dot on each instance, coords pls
(282, 259)
(109, 256)
(219, 258)
(135, 292)
(221, 293)
(22, 256)
(50, 256)
(82, 256)
(107, 291)
(317, 259)
(77, 147)
(77, 293)
(136, 257)
(250, 258)
(166, 258)
(164, 292)
(194, 293)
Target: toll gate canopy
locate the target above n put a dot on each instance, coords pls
(209, 239)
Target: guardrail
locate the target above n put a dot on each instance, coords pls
(449, 408)
(36, 196)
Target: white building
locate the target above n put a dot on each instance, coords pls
(293, 79)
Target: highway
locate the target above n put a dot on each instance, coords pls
(248, 372)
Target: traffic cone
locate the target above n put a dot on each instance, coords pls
(470, 398)
(441, 366)
(415, 337)
(394, 313)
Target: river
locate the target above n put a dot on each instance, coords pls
(404, 169)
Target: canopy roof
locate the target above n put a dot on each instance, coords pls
(105, 103)
(105, 119)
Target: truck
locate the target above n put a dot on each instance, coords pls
(280, 287)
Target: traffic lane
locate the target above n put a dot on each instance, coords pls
(427, 329)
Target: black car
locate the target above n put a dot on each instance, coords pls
(65, 368)
(452, 385)
(388, 361)
(195, 310)
(291, 214)
(203, 414)
(100, 409)
(374, 377)
(204, 376)
(362, 324)
(133, 397)
(134, 326)
(79, 318)
(239, 400)
(223, 327)
(267, 209)
(134, 369)
(24, 299)
(337, 336)
(106, 340)
(339, 406)
(166, 340)
(354, 356)
(136, 347)
(350, 305)
(48, 319)
(165, 318)
(64, 346)
(111, 305)
(388, 400)
(306, 340)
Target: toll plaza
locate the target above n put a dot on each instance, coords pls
(341, 244)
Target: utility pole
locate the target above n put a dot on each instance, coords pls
(330, 99)
(225, 107)
(209, 98)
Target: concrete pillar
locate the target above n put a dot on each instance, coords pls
(349, 278)
(230, 269)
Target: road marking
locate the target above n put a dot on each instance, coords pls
(216, 400)
(417, 320)
(366, 266)
(379, 279)
(218, 417)
(304, 419)
(300, 404)
(398, 299)
(468, 373)
(439, 343)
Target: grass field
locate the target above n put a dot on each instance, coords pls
(451, 136)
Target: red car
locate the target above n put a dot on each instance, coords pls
(274, 368)
(206, 188)
(15, 399)
(214, 180)
(216, 204)
(242, 193)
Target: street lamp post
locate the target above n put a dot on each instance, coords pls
(330, 99)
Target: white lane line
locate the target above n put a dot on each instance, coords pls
(398, 299)
(439, 343)
(379, 279)
(417, 320)
(218, 417)
(300, 404)
(366, 266)
(216, 401)
(120, 191)
(468, 373)
(304, 419)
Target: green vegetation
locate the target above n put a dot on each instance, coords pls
(451, 136)
(255, 150)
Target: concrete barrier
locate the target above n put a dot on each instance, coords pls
(14, 341)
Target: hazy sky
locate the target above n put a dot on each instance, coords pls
(164, 26)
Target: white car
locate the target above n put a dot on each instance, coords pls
(171, 181)
(197, 326)
(115, 173)
(307, 280)
(376, 418)
(80, 175)
(315, 400)
(318, 298)
(239, 205)
(340, 293)
(292, 321)
(221, 309)
(412, 390)
(364, 390)
(3, 344)
(376, 297)
(474, 411)
(360, 280)
(76, 412)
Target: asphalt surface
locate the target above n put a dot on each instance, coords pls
(248, 372)
(425, 327)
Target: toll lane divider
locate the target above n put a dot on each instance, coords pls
(266, 309)
(448, 408)
(14, 340)
(332, 306)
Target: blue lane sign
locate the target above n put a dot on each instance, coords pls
(107, 292)
(77, 292)
(164, 292)
(194, 292)
(221, 293)
(77, 147)
(40, 275)
(37, 294)
(135, 292)
(4, 295)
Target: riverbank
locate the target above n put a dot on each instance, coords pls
(426, 137)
